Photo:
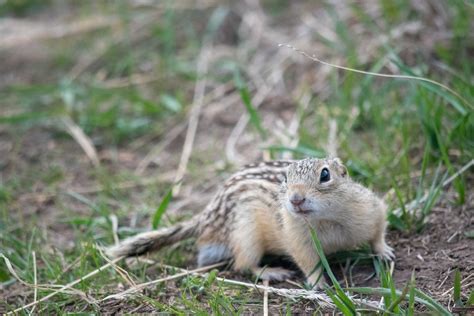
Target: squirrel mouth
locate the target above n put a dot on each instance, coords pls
(299, 210)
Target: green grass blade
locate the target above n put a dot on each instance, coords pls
(432, 302)
(424, 163)
(450, 97)
(405, 217)
(384, 282)
(161, 208)
(411, 297)
(457, 288)
(470, 300)
(255, 119)
(254, 116)
(458, 183)
(340, 293)
(339, 304)
(395, 306)
(26, 117)
(420, 297)
(396, 222)
(432, 198)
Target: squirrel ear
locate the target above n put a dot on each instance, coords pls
(340, 167)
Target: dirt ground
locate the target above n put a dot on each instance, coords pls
(433, 254)
(438, 250)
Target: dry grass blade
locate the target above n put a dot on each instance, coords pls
(46, 287)
(122, 272)
(114, 221)
(313, 57)
(212, 98)
(262, 92)
(141, 286)
(27, 32)
(198, 99)
(35, 277)
(230, 149)
(83, 140)
(13, 272)
(458, 173)
(319, 297)
(68, 268)
(170, 137)
(265, 299)
(63, 289)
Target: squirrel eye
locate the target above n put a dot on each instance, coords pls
(325, 176)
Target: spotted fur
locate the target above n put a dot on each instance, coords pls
(256, 183)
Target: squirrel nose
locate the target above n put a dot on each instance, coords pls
(296, 199)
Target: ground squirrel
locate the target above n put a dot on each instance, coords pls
(267, 207)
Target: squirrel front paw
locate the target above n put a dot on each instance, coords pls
(384, 251)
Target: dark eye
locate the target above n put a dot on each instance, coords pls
(325, 176)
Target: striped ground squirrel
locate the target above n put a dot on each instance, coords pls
(267, 207)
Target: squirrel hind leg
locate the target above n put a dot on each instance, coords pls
(213, 253)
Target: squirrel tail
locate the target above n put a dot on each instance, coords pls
(154, 240)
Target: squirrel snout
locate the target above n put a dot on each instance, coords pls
(297, 199)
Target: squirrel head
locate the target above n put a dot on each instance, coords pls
(312, 186)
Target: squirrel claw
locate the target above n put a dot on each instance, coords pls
(386, 253)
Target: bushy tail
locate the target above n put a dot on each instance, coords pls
(154, 240)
